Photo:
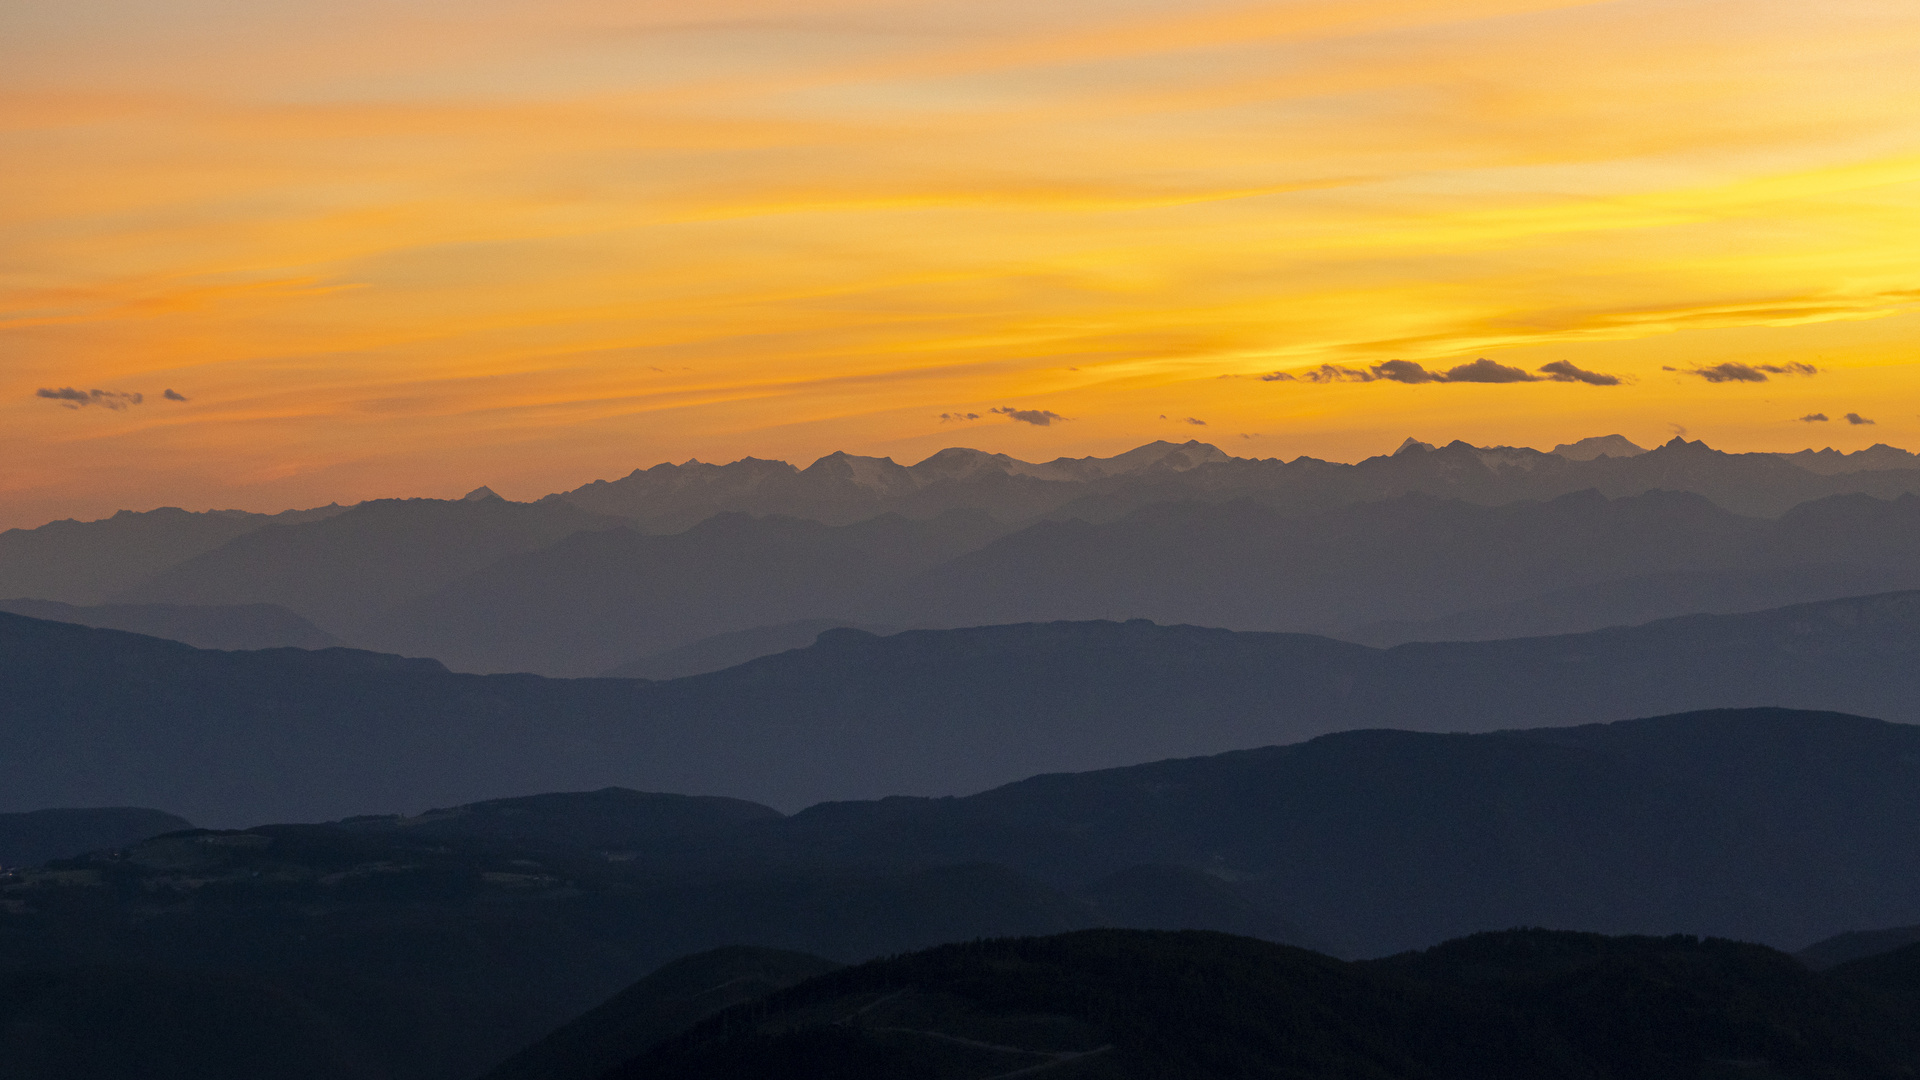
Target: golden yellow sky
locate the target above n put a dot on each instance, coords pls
(395, 247)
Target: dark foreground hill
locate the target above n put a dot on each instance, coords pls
(1766, 825)
(406, 950)
(658, 1007)
(96, 717)
(445, 941)
(1127, 1004)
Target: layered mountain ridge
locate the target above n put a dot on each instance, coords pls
(1453, 542)
(100, 717)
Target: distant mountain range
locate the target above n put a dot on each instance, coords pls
(1448, 543)
(100, 717)
(432, 947)
(88, 562)
(843, 488)
(1580, 557)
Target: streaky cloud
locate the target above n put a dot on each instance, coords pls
(1482, 370)
(72, 398)
(1734, 371)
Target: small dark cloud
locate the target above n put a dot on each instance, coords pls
(1856, 419)
(1814, 418)
(1403, 371)
(1484, 370)
(1036, 417)
(1249, 434)
(1479, 371)
(173, 395)
(1678, 430)
(1195, 421)
(951, 417)
(72, 398)
(1732, 371)
(1561, 371)
(1729, 372)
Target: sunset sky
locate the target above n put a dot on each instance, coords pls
(406, 247)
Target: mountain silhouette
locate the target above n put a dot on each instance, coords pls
(598, 599)
(1418, 560)
(345, 572)
(86, 562)
(436, 946)
(1592, 447)
(1446, 541)
(240, 626)
(841, 488)
(99, 717)
(726, 650)
(34, 837)
(1111, 1004)
(658, 1007)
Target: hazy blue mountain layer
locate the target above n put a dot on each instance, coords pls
(599, 599)
(1250, 567)
(347, 571)
(723, 651)
(86, 562)
(32, 838)
(98, 717)
(239, 626)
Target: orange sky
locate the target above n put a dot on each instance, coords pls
(392, 247)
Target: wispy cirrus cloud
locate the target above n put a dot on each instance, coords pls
(1735, 372)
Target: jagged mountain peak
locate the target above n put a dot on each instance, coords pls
(1594, 446)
